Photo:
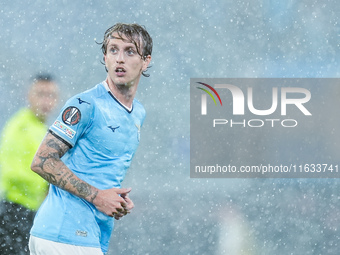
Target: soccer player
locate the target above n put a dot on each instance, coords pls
(88, 150)
(23, 191)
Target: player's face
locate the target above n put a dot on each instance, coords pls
(43, 98)
(123, 62)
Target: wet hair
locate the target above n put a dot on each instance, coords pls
(134, 33)
(43, 77)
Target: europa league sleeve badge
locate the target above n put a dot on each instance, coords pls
(71, 116)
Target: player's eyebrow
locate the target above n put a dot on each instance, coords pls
(129, 45)
(134, 45)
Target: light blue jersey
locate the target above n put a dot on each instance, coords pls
(103, 136)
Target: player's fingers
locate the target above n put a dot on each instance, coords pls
(121, 210)
(116, 216)
(125, 195)
(130, 204)
(119, 202)
(123, 191)
(118, 213)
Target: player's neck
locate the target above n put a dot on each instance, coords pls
(125, 94)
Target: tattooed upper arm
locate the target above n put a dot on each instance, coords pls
(57, 144)
(50, 151)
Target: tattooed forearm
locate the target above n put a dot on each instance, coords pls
(47, 160)
(49, 177)
(57, 179)
(48, 164)
(83, 188)
(94, 196)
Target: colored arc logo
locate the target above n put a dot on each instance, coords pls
(209, 93)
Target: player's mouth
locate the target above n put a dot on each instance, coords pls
(120, 71)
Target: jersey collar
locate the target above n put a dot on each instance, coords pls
(128, 109)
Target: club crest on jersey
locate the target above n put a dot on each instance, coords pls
(71, 115)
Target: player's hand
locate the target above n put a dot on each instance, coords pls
(129, 206)
(111, 202)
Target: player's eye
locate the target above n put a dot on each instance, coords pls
(113, 50)
(131, 52)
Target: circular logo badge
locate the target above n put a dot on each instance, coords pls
(71, 115)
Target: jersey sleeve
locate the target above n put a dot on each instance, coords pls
(74, 119)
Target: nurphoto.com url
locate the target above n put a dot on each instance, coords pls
(269, 168)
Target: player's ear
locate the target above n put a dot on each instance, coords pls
(146, 62)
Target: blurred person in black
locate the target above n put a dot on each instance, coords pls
(22, 190)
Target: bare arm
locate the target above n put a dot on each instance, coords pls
(47, 163)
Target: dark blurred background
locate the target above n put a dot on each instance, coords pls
(175, 214)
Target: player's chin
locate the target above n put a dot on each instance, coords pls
(121, 83)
